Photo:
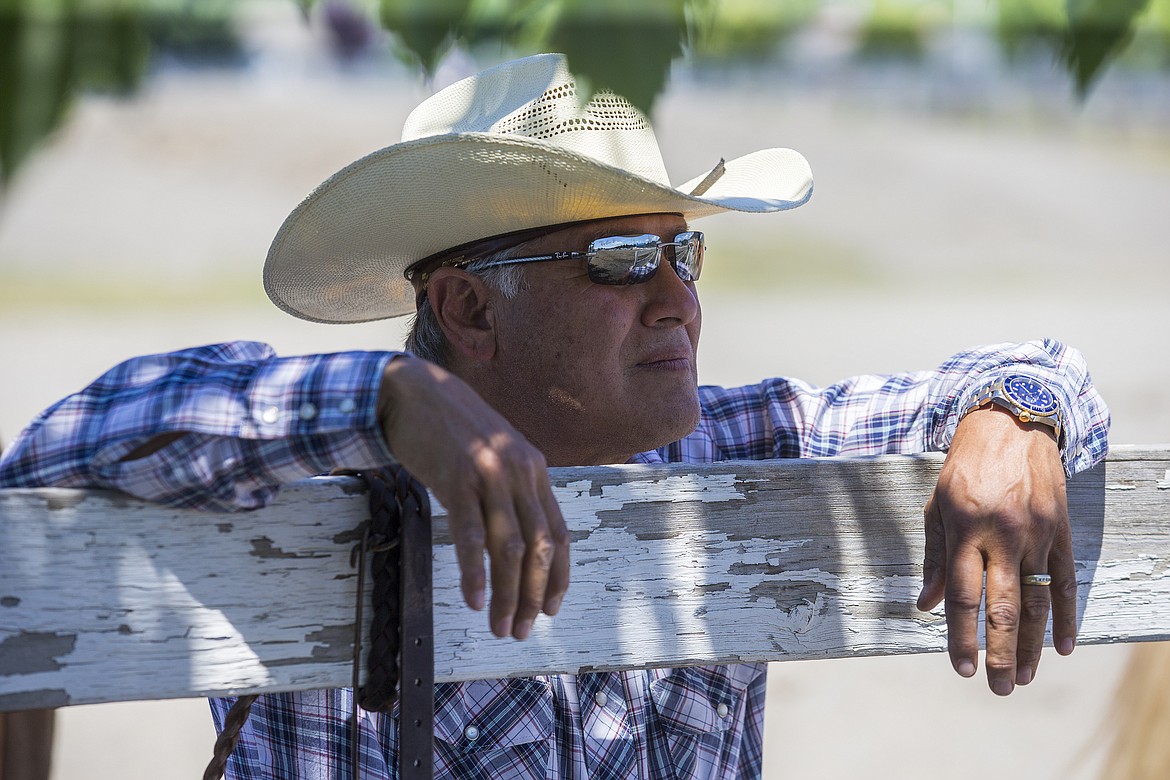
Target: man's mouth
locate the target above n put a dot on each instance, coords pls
(671, 361)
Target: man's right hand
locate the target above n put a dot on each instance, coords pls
(493, 483)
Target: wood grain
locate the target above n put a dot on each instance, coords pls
(105, 598)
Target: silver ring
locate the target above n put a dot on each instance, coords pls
(1036, 579)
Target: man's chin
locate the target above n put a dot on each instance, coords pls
(676, 423)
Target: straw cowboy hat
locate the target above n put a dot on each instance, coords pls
(508, 149)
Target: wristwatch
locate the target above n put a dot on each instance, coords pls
(1028, 399)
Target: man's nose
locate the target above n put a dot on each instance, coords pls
(669, 300)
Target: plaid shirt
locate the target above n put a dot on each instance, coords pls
(253, 421)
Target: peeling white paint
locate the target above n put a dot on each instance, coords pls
(165, 604)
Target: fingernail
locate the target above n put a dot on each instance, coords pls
(1023, 675)
(965, 668)
(523, 628)
(503, 627)
(476, 601)
(552, 606)
(1002, 687)
(1066, 646)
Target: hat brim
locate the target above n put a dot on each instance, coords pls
(340, 256)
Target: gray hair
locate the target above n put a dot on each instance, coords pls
(426, 338)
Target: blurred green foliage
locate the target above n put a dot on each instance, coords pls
(896, 29)
(1098, 30)
(50, 50)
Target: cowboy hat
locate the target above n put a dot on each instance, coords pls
(508, 149)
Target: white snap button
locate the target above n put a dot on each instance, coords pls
(307, 411)
(270, 415)
(347, 406)
(472, 733)
(721, 710)
(600, 699)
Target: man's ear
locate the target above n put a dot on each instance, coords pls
(462, 304)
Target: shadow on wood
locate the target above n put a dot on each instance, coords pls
(105, 598)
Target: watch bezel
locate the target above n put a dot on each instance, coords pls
(1023, 398)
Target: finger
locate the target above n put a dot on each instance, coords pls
(1062, 567)
(964, 592)
(538, 555)
(934, 558)
(466, 522)
(1034, 601)
(1002, 615)
(558, 574)
(505, 548)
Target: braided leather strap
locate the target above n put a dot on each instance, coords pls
(381, 688)
(225, 743)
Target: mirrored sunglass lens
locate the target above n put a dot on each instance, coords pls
(623, 260)
(688, 256)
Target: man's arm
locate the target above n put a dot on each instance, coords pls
(222, 427)
(494, 484)
(999, 512)
(999, 505)
(217, 428)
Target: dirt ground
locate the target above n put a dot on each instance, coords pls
(143, 226)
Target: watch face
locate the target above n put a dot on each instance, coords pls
(1030, 394)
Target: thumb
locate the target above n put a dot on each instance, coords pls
(934, 558)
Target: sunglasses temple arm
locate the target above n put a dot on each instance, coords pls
(536, 259)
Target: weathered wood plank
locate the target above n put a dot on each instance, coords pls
(103, 598)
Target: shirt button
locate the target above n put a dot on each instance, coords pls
(600, 699)
(270, 415)
(472, 733)
(307, 411)
(347, 407)
(721, 710)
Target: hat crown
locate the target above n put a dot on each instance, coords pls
(537, 98)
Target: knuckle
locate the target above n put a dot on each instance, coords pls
(1003, 616)
(531, 601)
(559, 534)
(486, 463)
(510, 549)
(541, 551)
(1011, 523)
(962, 604)
(1035, 610)
(1067, 589)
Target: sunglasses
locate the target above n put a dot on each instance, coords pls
(628, 259)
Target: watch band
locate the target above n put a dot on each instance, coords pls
(1029, 399)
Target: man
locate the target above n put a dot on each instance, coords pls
(552, 270)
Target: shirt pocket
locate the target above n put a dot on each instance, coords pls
(493, 728)
(698, 710)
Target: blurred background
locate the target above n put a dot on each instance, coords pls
(986, 170)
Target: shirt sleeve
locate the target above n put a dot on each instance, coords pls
(895, 413)
(251, 421)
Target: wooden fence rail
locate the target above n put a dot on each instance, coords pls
(104, 598)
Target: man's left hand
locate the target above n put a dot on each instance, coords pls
(1000, 506)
